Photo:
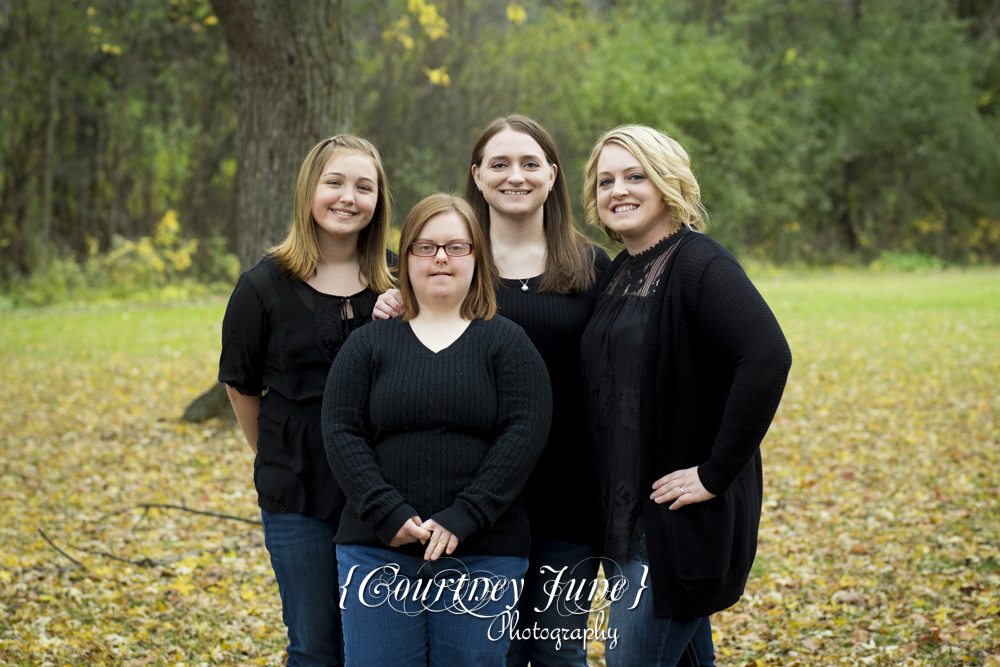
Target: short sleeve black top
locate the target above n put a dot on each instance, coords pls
(560, 496)
(282, 335)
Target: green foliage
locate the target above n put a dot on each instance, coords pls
(821, 132)
(126, 106)
(161, 267)
(890, 260)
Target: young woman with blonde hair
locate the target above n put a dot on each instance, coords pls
(284, 326)
(684, 366)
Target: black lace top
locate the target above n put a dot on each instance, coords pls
(612, 370)
(281, 334)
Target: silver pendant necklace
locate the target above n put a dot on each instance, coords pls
(524, 283)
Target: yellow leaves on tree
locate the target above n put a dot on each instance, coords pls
(439, 76)
(434, 27)
(400, 33)
(152, 260)
(433, 23)
(516, 14)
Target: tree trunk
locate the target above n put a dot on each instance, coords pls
(116, 218)
(48, 176)
(290, 65)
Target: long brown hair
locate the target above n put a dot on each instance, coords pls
(298, 254)
(569, 264)
(481, 301)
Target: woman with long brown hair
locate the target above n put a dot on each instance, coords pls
(547, 275)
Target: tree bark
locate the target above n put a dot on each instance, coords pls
(290, 65)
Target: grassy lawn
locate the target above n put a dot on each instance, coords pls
(880, 542)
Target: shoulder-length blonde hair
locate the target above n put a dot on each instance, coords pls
(298, 254)
(569, 263)
(481, 301)
(667, 166)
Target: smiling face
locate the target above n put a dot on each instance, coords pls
(346, 195)
(628, 202)
(514, 175)
(441, 280)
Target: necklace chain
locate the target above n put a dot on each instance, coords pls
(524, 283)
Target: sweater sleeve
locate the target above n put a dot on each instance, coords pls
(733, 316)
(524, 406)
(348, 444)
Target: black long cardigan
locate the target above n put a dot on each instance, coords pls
(715, 364)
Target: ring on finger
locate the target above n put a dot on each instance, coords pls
(682, 489)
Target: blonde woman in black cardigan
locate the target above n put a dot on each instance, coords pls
(684, 367)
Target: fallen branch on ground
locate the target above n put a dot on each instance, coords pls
(149, 506)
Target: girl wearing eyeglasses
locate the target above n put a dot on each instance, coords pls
(433, 422)
(285, 324)
(546, 284)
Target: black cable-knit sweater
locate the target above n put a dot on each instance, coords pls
(714, 364)
(450, 436)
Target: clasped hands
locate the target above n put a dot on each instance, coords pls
(439, 540)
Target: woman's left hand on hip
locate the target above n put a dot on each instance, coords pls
(681, 486)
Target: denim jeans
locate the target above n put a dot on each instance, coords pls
(645, 640)
(546, 589)
(402, 610)
(305, 564)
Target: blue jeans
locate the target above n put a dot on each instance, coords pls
(647, 640)
(305, 565)
(402, 610)
(546, 586)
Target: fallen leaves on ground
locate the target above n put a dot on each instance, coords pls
(879, 544)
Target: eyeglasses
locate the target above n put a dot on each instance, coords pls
(431, 249)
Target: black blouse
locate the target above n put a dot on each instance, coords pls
(612, 351)
(280, 334)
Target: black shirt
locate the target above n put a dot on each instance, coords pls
(611, 350)
(281, 334)
(450, 436)
(560, 496)
(713, 367)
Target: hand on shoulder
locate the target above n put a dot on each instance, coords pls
(388, 305)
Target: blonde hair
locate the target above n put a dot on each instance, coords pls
(667, 166)
(569, 263)
(481, 301)
(298, 254)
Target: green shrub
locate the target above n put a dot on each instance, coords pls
(907, 261)
(161, 267)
